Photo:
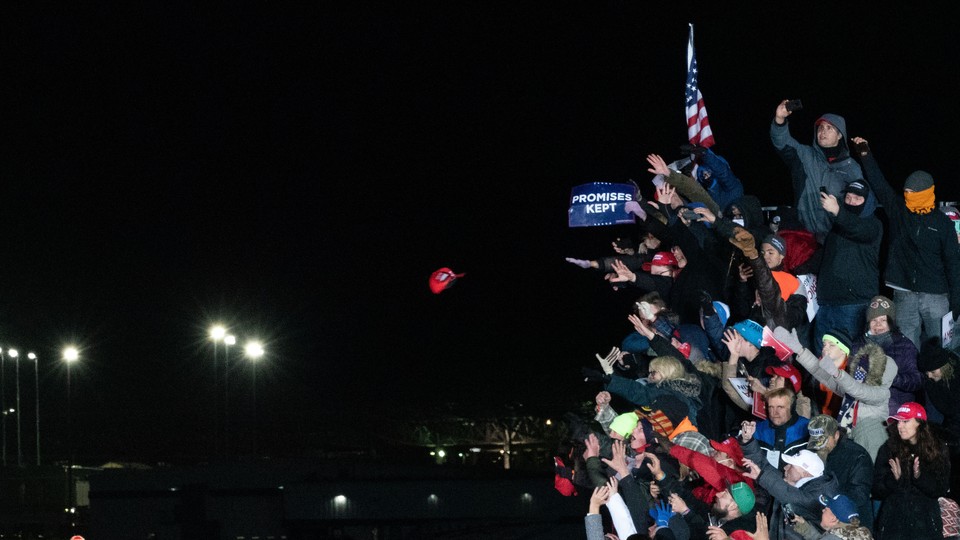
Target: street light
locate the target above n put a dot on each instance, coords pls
(70, 356)
(217, 333)
(228, 341)
(16, 357)
(36, 394)
(253, 350)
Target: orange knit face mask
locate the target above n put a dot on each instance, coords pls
(920, 202)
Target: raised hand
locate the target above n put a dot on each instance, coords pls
(622, 273)
(661, 513)
(612, 484)
(747, 429)
(599, 498)
(592, 444)
(733, 341)
(640, 326)
(788, 338)
(657, 165)
(860, 145)
(678, 504)
(708, 216)
(763, 527)
(829, 203)
(895, 468)
(654, 464)
(752, 469)
(606, 363)
(619, 460)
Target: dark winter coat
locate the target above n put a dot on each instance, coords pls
(909, 381)
(910, 508)
(851, 259)
(852, 466)
(923, 255)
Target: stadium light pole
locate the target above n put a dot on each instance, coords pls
(36, 397)
(70, 356)
(16, 360)
(253, 350)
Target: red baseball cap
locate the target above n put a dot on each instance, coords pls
(910, 410)
(662, 258)
(788, 372)
(730, 447)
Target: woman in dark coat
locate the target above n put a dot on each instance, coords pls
(911, 472)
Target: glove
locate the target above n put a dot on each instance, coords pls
(661, 513)
(633, 207)
(744, 241)
(627, 364)
(862, 148)
(827, 365)
(706, 303)
(594, 375)
(579, 262)
(789, 339)
(694, 150)
(606, 364)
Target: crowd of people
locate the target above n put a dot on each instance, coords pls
(777, 382)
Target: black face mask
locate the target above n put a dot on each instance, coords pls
(853, 209)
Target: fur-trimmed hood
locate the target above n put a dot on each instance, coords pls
(876, 364)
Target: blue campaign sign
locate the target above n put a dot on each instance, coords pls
(601, 203)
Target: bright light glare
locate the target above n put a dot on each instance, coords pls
(217, 332)
(31, 356)
(253, 350)
(230, 339)
(71, 354)
(13, 353)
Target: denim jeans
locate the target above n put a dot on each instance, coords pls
(851, 318)
(919, 315)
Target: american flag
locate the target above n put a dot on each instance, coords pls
(698, 125)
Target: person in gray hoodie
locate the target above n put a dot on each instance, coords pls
(825, 164)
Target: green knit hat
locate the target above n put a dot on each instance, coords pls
(625, 423)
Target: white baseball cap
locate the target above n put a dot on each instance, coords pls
(806, 460)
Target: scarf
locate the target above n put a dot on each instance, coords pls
(920, 202)
(884, 340)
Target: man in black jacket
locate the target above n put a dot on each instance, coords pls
(850, 270)
(846, 459)
(923, 265)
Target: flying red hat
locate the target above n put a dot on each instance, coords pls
(443, 279)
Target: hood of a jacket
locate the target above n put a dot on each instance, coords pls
(877, 364)
(838, 122)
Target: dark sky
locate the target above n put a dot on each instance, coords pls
(298, 174)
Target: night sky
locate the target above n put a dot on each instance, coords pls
(298, 174)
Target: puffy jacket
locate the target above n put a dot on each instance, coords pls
(872, 396)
